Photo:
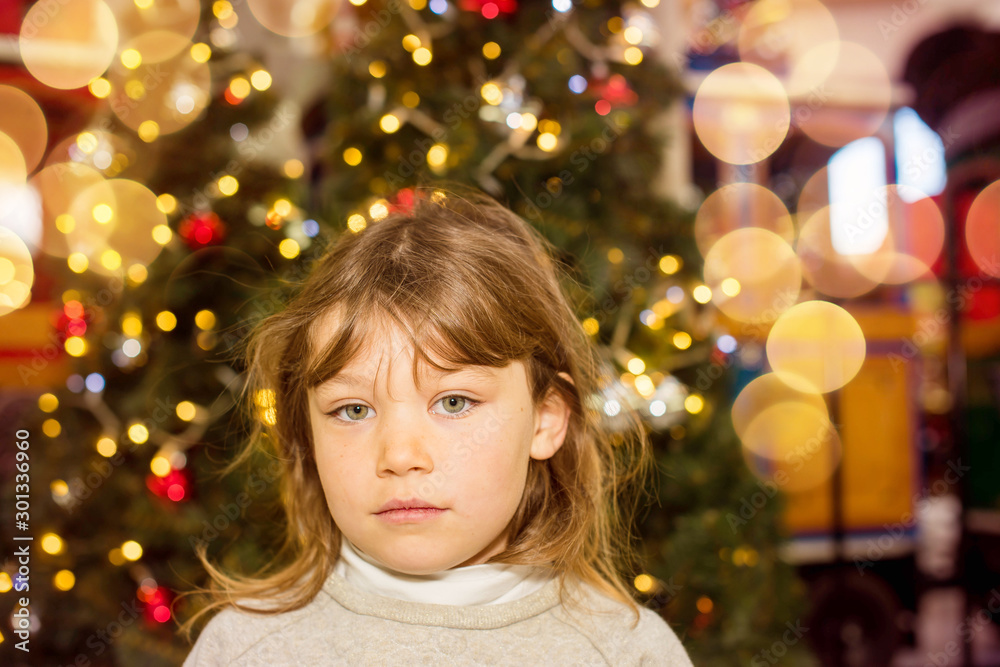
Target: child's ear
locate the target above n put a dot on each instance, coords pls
(551, 424)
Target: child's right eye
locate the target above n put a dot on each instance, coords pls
(354, 412)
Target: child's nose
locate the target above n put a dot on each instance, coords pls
(403, 449)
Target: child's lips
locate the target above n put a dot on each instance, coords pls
(412, 510)
(411, 515)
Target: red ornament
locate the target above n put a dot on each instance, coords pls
(231, 97)
(202, 229)
(175, 485)
(402, 201)
(489, 8)
(718, 357)
(274, 220)
(615, 90)
(157, 601)
(72, 320)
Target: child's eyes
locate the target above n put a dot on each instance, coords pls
(453, 406)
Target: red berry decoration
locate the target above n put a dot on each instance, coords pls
(201, 229)
(489, 8)
(157, 609)
(615, 90)
(175, 485)
(403, 201)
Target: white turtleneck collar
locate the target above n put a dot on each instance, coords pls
(488, 583)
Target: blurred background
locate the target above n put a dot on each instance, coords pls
(782, 218)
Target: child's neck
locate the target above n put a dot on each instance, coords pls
(491, 583)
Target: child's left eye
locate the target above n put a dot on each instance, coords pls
(457, 405)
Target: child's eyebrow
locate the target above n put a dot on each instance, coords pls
(474, 372)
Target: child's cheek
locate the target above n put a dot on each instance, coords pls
(463, 453)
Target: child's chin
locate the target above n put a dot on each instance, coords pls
(417, 565)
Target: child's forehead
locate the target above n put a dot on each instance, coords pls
(383, 345)
(375, 337)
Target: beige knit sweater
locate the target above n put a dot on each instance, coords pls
(345, 625)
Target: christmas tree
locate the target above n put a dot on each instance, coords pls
(553, 108)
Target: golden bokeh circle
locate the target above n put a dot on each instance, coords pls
(816, 346)
(178, 18)
(58, 186)
(982, 229)
(739, 205)
(172, 93)
(112, 155)
(65, 45)
(764, 266)
(13, 168)
(138, 215)
(915, 236)
(741, 113)
(764, 392)
(23, 121)
(775, 33)
(828, 271)
(793, 444)
(129, 213)
(842, 92)
(157, 46)
(294, 18)
(814, 195)
(17, 272)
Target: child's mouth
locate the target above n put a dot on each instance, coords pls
(408, 511)
(410, 515)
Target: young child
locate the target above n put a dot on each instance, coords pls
(454, 495)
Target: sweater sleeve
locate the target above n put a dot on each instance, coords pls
(215, 644)
(208, 649)
(232, 632)
(611, 628)
(655, 643)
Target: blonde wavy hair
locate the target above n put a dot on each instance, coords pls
(471, 283)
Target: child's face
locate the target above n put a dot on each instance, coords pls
(460, 444)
